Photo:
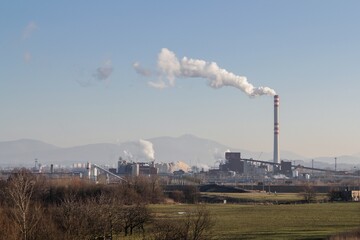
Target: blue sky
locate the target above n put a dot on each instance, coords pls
(308, 51)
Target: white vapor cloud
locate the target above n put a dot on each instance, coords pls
(128, 155)
(159, 84)
(219, 154)
(29, 29)
(169, 65)
(148, 149)
(142, 71)
(140, 150)
(104, 72)
(170, 68)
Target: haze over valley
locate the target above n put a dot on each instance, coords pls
(192, 150)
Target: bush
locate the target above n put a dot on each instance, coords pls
(309, 193)
(195, 225)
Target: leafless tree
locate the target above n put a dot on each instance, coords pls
(101, 217)
(7, 231)
(23, 211)
(200, 222)
(133, 217)
(165, 229)
(195, 225)
(309, 193)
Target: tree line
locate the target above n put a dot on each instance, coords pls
(33, 207)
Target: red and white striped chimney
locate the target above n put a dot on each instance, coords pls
(276, 129)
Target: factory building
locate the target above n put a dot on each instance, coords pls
(136, 169)
(147, 168)
(124, 167)
(233, 163)
(285, 168)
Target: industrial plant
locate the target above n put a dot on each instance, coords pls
(272, 176)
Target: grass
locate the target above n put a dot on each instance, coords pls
(264, 197)
(295, 221)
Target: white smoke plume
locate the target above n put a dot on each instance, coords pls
(158, 85)
(128, 155)
(140, 150)
(142, 71)
(170, 68)
(179, 165)
(219, 154)
(104, 72)
(148, 149)
(202, 167)
(29, 29)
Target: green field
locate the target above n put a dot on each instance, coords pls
(293, 221)
(263, 197)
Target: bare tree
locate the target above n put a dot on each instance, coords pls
(165, 229)
(101, 217)
(24, 212)
(67, 218)
(7, 231)
(133, 217)
(195, 225)
(200, 222)
(309, 193)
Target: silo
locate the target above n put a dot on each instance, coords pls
(135, 169)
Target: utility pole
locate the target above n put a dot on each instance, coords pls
(312, 166)
(358, 180)
(335, 164)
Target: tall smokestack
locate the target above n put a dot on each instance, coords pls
(276, 129)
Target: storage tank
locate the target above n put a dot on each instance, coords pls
(135, 169)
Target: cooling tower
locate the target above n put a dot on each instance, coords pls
(276, 129)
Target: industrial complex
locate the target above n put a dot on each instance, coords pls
(233, 169)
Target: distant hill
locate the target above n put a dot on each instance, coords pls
(23, 146)
(195, 149)
(344, 162)
(187, 148)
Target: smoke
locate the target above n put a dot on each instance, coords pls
(170, 68)
(158, 85)
(104, 72)
(128, 155)
(219, 155)
(140, 150)
(202, 167)
(179, 165)
(142, 71)
(148, 73)
(147, 148)
(29, 29)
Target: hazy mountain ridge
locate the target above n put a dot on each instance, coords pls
(187, 148)
(25, 146)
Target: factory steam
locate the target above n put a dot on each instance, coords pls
(231, 169)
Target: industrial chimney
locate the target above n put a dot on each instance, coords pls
(276, 129)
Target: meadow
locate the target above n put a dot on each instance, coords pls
(264, 197)
(292, 221)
